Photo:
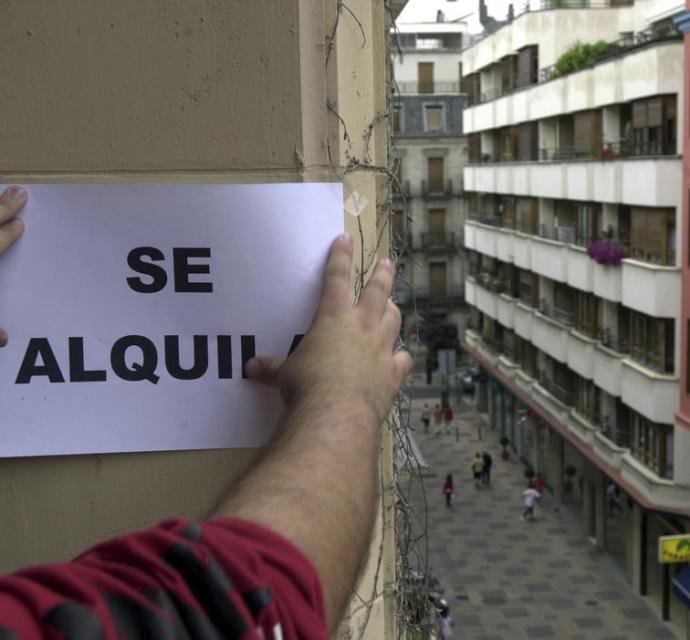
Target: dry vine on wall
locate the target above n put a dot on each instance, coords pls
(413, 615)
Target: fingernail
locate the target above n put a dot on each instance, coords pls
(253, 368)
(347, 238)
(17, 223)
(387, 262)
(18, 193)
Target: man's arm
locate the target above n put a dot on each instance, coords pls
(317, 483)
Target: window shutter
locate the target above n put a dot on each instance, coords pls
(655, 112)
(639, 114)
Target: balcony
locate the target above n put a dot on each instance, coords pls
(653, 395)
(427, 88)
(651, 289)
(437, 190)
(441, 300)
(581, 354)
(605, 83)
(549, 258)
(579, 268)
(645, 181)
(550, 336)
(487, 302)
(660, 492)
(506, 310)
(560, 393)
(523, 321)
(445, 241)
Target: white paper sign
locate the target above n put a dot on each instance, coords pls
(103, 296)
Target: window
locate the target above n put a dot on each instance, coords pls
(529, 288)
(435, 174)
(652, 129)
(509, 72)
(509, 143)
(587, 399)
(526, 356)
(425, 77)
(652, 444)
(508, 344)
(507, 211)
(652, 342)
(527, 219)
(437, 278)
(653, 235)
(474, 143)
(587, 314)
(528, 141)
(588, 226)
(470, 86)
(433, 117)
(588, 133)
(564, 304)
(528, 66)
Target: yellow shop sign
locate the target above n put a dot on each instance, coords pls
(674, 548)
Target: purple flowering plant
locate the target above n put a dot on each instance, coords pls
(606, 251)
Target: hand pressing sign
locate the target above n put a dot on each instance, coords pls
(11, 227)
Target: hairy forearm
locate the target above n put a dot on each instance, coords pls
(317, 485)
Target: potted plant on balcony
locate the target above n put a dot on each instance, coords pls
(504, 451)
(606, 251)
(570, 472)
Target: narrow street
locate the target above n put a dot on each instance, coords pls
(509, 579)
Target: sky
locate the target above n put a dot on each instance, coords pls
(425, 10)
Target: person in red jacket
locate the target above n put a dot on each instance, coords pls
(279, 557)
(448, 489)
(447, 417)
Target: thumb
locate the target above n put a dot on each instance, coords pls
(3, 337)
(264, 370)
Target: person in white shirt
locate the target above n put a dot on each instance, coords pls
(529, 498)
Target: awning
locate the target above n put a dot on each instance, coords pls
(681, 587)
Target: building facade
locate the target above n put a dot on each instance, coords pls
(429, 209)
(575, 198)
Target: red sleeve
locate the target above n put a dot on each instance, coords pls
(224, 578)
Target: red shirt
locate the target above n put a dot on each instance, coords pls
(223, 578)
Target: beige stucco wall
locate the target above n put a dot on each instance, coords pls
(193, 91)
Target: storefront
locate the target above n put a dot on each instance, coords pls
(657, 578)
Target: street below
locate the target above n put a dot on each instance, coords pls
(506, 579)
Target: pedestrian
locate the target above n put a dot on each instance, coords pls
(426, 417)
(613, 493)
(448, 489)
(486, 471)
(448, 417)
(445, 622)
(438, 416)
(529, 498)
(538, 482)
(477, 469)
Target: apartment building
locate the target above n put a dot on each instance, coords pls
(574, 238)
(429, 207)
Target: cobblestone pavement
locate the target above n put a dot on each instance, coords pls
(508, 579)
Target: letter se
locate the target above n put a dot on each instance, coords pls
(142, 261)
